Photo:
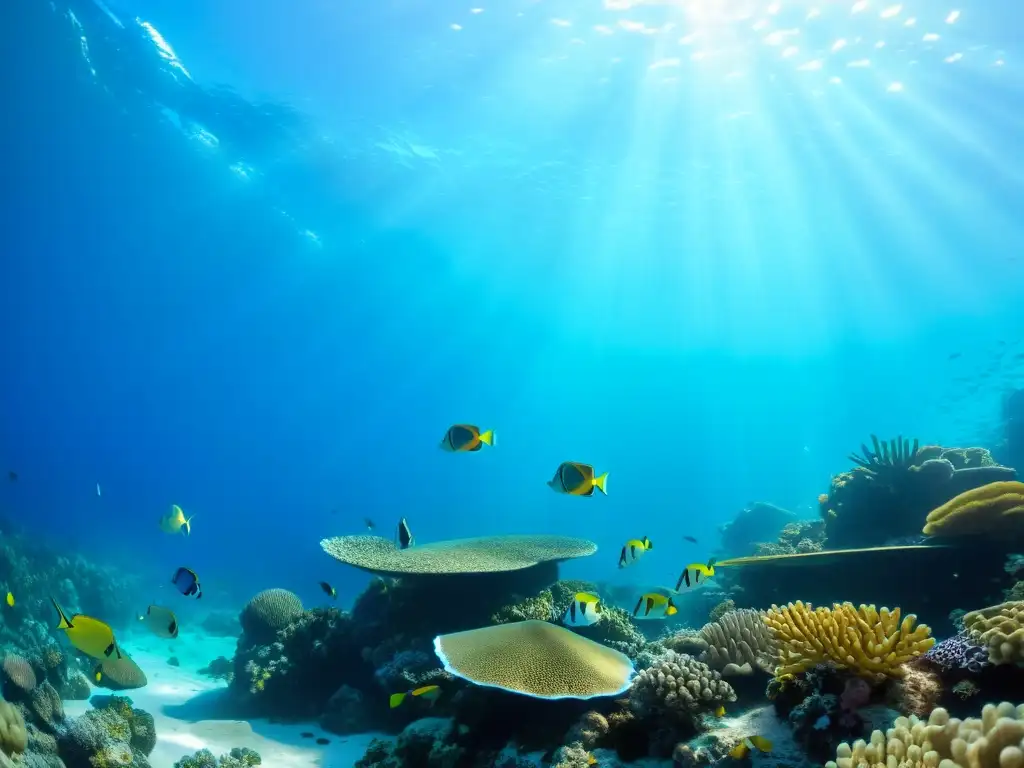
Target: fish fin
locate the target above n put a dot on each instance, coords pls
(396, 699)
(63, 622)
(671, 610)
(199, 594)
(187, 526)
(761, 743)
(622, 558)
(638, 604)
(739, 751)
(487, 438)
(601, 483)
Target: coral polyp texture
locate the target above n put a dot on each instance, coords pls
(269, 612)
(739, 642)
(1000, 629)
(678, 685)
(870, 642)
(535, 658)
(486, 554)
(995, 509)
(995, 740)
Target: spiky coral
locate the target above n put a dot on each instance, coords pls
(872, 643)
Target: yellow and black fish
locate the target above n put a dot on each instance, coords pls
(329, 590)
(466, 437)
(160, 621)
(403, 536)
(91, 636)
(427, 693)
(577, 479)
(695, 573)
(187, 582)
(119, 674)
(654, 606)
(584, 610)
(744, 748)
(633, 550)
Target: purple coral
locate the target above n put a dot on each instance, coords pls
(958, 652)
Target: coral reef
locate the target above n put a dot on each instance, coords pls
(894, 486)
(678, 687)
(872, 643)
(239, 757)
(431, 742)
(269, 612)
(738, 643)
(994, 740)
(995, 509)
(960, 651)
(113, 734)
(1000, 629)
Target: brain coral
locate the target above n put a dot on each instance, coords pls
(995, 740)
(19, 672)
(1001, 630)
(535, 658)
(269, 611)
(489, 554)
(677, 684)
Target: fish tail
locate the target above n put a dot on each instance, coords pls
(62, 622)
(187, 525)
(601, 483)
(739, 751)
(761, 743)
(671, 610)
(396, 699)
(488, 437)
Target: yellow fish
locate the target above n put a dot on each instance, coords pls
(720, 712)
(176, 522)
(91, 636)
(741, 750)
(465, 437)
(10, 599)
(695, 573)
(577, 480)
(427, 692)
(633, 550)
(654, 606)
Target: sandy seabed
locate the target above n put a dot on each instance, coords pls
(185, 706)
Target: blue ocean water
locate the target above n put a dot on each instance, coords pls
(258, 256)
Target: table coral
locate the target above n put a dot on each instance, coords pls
(1000, 628)
(679, 686)
(995, 740)
(870, 642)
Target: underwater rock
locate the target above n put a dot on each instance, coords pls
(114, 733)
(346, 712)
(758, 522)
(220, 668)
(431, 742)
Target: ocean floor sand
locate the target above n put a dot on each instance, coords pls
(185, 706)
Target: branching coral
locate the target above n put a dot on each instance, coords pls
(680, 686)
(995, 740)
(992, 510)
(869, 642)
(1000, 629)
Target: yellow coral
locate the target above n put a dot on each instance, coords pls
(999, 628)
(995, 740)
(870, 642)
(996, 508)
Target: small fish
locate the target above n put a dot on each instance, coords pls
(10, 599)
(690, 539)
(741, 750)
(720, 712)
(577, 479)
(370, 525)
(187, 582)
(403, 535)
(322, 741)
(99, 491)
(633, 550)
(91, 636)
(584, 610)
(160, 621)
(306, 735)
(466, 437)
(591, 760)
(695, 573)
(119, 674)
(653, 605)
(329, 590)
(12, 476)
(427, 693)
(176, 522)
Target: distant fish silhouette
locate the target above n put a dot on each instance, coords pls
(690, 539)
(12, 476)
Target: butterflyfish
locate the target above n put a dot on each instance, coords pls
(466, 437)
(176, 522)
(329, 590)
(584, 610)
(427, 693)
(119, 674)
(695, 573)
(187, 582)
(741, 750)
(160, 621)
(577, 479)
(10, 599)
(403, 536)
(654, 606)
(91, 636)
(633, 550)
(720, 712)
